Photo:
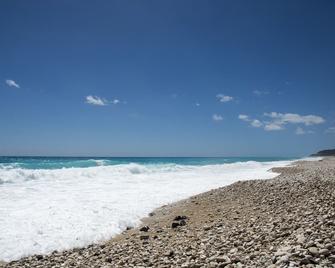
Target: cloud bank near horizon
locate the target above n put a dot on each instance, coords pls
(277, 121)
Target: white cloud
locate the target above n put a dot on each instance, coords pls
(330, 130)
(278, 121)
(197, 104)
(115, 101)
(307, 120)
(273, 127)
(95, 100)
(260, 92)
(244, 117)
(256, 123)
(224, 98)
(253, 122)
(217, 117)
(12, 83)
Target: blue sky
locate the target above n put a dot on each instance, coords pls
(167, 78)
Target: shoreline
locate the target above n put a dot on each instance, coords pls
(255, 223)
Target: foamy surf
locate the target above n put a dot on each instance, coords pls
(42, 210)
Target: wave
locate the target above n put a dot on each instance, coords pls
(42, 210)
(311, 158)
(12, 174)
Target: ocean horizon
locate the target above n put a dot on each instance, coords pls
(54, 162)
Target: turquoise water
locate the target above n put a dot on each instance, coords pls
(82, 162)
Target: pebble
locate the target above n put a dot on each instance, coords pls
(144, 237)
(314, 251)
(144, 229)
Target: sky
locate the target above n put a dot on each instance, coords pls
(167, 78)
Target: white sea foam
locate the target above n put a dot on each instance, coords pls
(312, 158)
(46, 210)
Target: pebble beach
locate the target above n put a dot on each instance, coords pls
(288, 221)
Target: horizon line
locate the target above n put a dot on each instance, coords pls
(73, 156)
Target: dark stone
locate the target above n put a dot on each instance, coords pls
(175, 224)
(39, 257)
(313, 261)
(170, 253)
(179, 218)
(129, 228)
(151, 214)
(145, 229)
(144, 237)
(182, 223)
(332, 258)
(109, 259)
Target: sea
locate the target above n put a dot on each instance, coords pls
(58, 203)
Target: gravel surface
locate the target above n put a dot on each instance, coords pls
(288, 221)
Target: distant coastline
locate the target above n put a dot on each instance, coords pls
(329, 152)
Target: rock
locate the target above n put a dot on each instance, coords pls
(182, 223)
(308, 231)
(207, 228)
(314, 251)
(310, 244)
(144, 229)
(331, 258)
(223, 259)
(108, 259)
(324, 252)
(213, 264)
(39, 257)
(144, 237)
(282, 251)
(283, 259)
(301, 238)
(179, 218)
(174, 224)
(304, 261)
(169, 253)
(329, 246)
